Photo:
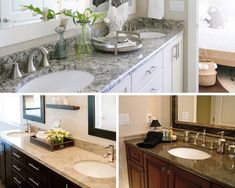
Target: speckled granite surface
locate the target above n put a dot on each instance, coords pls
(219, 168)
(107, 69)
(62, 161)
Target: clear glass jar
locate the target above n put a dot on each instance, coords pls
(84, 41)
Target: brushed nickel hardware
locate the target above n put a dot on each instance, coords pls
(221, 143)
(204, 138)
(36, 168)
(16, 155)
(34, 182)
(18, 181)
(15, 72)
(110, 153)
(17, 168)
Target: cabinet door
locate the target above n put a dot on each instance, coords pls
(123, 87)
(135, 175)
(57, 181)
(8, 160)
(155, 172)
(177, 65)
(2, 161)
(179, 178)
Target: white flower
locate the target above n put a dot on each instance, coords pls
(106, 20)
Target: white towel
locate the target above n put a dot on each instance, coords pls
(156, 9)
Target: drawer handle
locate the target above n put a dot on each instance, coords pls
(163, 169)
(18, 181)
(16, 155)
(66, 186)
(17, 168)
(34, 182)
(36, 168)
(169, 172)
(151, 70)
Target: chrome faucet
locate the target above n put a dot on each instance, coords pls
(196, 138)
(110, 153)
(221, 143)
(204, 138)
(15, 72)
(45, 63)
(28, 127)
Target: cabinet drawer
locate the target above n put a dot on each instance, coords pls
(134, 154)
(19, 168)
(18, 181)
(34, 180)
(19, 156)
(155, 85)
(37, 168)
(144, 73)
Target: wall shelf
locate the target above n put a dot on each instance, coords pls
(63, 107)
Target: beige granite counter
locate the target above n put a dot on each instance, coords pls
(219, 168)
(61, 161)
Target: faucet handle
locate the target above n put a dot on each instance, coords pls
(204, 131)
(15, 72)
(221, 134)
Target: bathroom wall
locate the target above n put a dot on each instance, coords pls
(74, 121)
(138, 107)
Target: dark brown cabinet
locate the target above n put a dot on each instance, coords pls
(2, 162)
(147, 171)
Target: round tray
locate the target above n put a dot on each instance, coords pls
(111, 47)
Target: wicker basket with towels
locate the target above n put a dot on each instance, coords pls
(207, 72)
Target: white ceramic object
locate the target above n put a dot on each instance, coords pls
(151, 35)
(95, 169)
(116, 17)
(217, 20)
(189, 153)
(19, 134)
(58, 82)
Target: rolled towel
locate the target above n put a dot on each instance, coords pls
(152, 139)
(41, 135)
(203, 66)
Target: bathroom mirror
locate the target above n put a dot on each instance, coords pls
(34, 108)
(102, 114)
(200, 112)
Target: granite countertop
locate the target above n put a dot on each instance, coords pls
(107, 68)
(219, 168)
(61, 161)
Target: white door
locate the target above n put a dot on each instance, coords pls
(223, 110)
(10, 10)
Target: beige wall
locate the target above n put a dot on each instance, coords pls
(137, 107)
(74, 121)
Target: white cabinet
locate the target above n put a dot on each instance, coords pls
(173, 66)
(123, 87)
(162, 72)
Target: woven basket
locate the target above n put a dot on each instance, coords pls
(207, 77)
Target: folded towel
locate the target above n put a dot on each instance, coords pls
(156, 9)
(41, 135)
(152, 139)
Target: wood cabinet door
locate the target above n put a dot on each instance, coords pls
(155, 172)
(179, 178)
(135, 174)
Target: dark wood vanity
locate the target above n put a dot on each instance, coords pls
(21, 171)
(148, 171)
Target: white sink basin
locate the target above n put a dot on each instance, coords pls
(63, 81)
(151, 35)
(95, 169)
(19, 134)
(189, 153)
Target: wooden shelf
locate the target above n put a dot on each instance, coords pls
(63, 107)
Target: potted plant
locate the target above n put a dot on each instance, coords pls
(84, 21)
(58, 136)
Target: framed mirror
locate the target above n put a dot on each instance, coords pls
(213, 113)
(102, 114)
(34, 108)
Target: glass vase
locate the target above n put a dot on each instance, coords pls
(84, 40)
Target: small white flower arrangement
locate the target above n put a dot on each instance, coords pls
(58, 136)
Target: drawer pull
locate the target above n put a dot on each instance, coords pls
(163, 169)
(169, 172)
(18, 181)
(151, 70)
(17, 168)
(36, 168)
(66, 186)
(16, 155)
(34, 182)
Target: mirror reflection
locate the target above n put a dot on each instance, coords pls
(34, 108)
(207, 110)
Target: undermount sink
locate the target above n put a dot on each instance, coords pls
(19, 134)
(95, 169)
(189, 153)
(151, 35)
(63, 81)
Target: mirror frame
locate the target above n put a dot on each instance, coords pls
(35, 118)
(92, 130)
(213, 129)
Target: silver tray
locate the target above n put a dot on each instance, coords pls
(112, 45)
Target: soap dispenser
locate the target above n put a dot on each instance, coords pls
(221, 143)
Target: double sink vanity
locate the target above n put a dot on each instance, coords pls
(157, 67)
(28, 165)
